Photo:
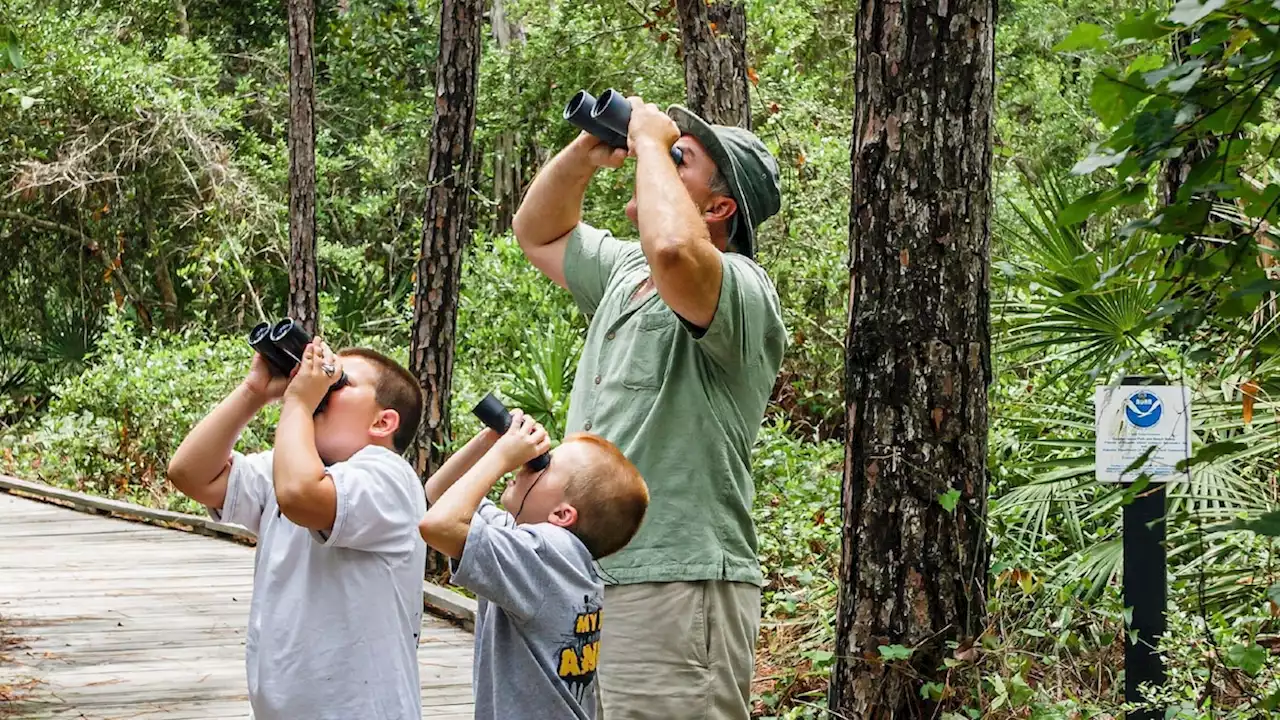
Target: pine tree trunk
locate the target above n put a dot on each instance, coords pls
(917, 351)
(715, 60)
(303, 297)
(446, 223)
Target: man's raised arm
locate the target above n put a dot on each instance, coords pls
(552, 206)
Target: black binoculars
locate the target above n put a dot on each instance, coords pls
(606, 118)
(495, 415)
(282, 345)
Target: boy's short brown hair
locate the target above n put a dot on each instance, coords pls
(610, 495)
(397, 390)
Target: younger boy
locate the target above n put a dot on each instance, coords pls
(337, 587)
(538, 625)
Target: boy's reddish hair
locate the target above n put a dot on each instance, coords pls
(610, 495)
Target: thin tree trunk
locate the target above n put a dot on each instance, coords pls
(917, 351)
(303, 293)
(1176, 169)
(180, 13)
(164, 282)
(715, 60)
(154, 247)
(446, 224)
(508, 175)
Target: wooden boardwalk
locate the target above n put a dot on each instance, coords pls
(118, 619)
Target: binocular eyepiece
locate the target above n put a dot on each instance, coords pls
(282, 345)
(495, 415)
(606, 118)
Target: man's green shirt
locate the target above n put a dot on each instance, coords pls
(684, 407)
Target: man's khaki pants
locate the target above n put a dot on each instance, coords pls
(678, 651)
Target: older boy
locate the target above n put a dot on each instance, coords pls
(538, 626)
(337, 598)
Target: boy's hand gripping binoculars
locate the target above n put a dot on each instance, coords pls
(607, 118)
(495, 415)
(282, 345)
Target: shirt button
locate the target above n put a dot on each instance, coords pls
(587, 426)
(609, 336)
(597, 379)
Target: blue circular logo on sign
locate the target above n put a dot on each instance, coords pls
(1143, 409)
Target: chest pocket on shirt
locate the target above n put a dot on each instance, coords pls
(645, 363)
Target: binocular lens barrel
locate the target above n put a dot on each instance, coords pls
(290, 338)
(580, 113)
(495, 415)
(613, 111)
(607, 118)
(282, 345)
(260, 340)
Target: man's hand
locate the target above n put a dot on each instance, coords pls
(598, 153)
(525, 440)
(320, 368)
(261, 383)
(650, 125)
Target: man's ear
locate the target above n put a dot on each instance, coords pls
(386, 423)
(721, 209)
(563, 515)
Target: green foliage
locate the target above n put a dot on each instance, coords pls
(144, 155)
(10, 49)
(541, 374)
(1208, 106)
(1078, 309)
(798, 521)
(112, 429)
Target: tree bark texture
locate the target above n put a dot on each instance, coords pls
(508, 173)
(303, 292)
(180, 14)
(714, 35)
(446, 224)
(917, 350)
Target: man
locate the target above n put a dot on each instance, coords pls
(685, 344)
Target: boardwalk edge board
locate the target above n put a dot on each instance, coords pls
(439, 601)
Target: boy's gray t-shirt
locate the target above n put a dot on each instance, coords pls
(335, 617)
(538, 621)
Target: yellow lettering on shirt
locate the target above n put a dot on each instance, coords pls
(569, 664)
(587, 623)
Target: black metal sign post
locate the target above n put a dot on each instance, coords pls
(1145, 587)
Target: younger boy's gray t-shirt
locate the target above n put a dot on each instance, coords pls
(335, 617)
(538, 621)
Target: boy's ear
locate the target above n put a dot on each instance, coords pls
(386, 423)
(563, 515)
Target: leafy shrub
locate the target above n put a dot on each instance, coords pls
(112, 429)
(797, 515)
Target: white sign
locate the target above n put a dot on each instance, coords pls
(1132, 419)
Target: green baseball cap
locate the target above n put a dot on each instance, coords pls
(747, 166)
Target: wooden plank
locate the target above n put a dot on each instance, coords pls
(455, 606)
(128, 510)
(442, 602)
(125, 620)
